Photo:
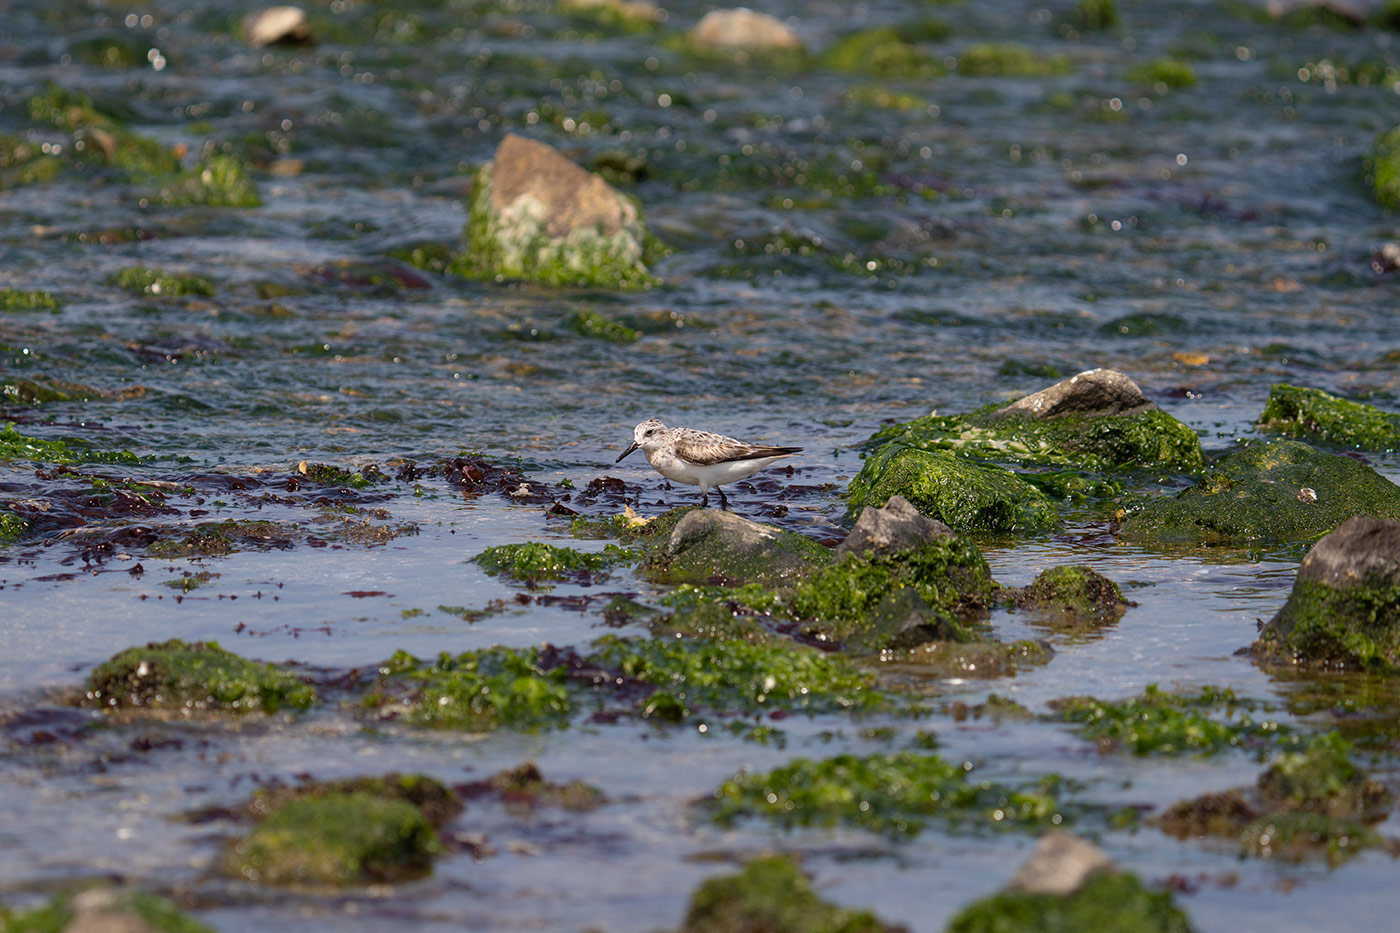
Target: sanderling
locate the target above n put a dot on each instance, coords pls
(701, 458)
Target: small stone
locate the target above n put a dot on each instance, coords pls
(1095, 391)
(896, 527)
(276, 25)
(709, 546)
(742, 28)
(1060, 865)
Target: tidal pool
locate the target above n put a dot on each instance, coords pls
(848, 248)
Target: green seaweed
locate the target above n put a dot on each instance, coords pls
(142, 281)
(770, 895)
(881, 52)
(601, 327)
(1305, 412)
(1010, 60)
(893, 794)
(338, 839)
(17, 446)
(1072, 599)
(12, 527)
(1168, 72)
(1095, 14)
(732, 552)
(535, 560)
(219, 539)
(219, 181)
(188, 677)
(1107, 901)
(14, 299)
(1158, 723)
(437, 802)
(737, 676)
(967, 496)
(1382, 169)
(1357, 627)
(116, 908)
(477, 691)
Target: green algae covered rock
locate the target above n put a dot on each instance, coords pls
(437, 802)
(894, 794)
(142, 281)
(714, 546)
(1097, 420)
(1010, 60)
(1160, 723)
(535, 561)
(14, 299)
(99, 137)
(737, 676)
(337, 839)
(1269, 494)
(1313, 413)
(537, 216)
(188, 677)
(1168, 72)
(219, 181)
(476, 691)
(12, 526)
(109, 910)
(1344, 610)
(1072, 599)
(967, 496)
(770, 895)
(1382, 168)
(880, 52)
(17, 446)
(1107, 902)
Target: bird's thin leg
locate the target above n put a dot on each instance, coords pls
(723, 502)
(704, 498)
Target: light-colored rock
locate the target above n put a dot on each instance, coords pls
(742, 28)
(1060, 865)
(276, 24)
(1093, 392)
(103, 910)
(896, 527)
(1362, 551)
(714, 546)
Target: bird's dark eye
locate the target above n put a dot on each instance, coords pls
(650, 432)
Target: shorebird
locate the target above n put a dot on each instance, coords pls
(701, 458)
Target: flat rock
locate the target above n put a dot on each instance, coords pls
(896, 527)
(743, 28)
(1060, 865)
(1093, 392)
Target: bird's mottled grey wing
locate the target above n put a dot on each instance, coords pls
(704, 448)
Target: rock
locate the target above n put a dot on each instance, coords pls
(709, 546)
(1093, 392)
(770, 895)
(742, 28)
(624, 12)
(1306, 412)
(1266, 494)
(1073, 599)
(896, 527)
(276, 25)
(104, 910)
(101, 910)
(1060, 865)
(967, 496)
(539, 217)
(1345, 606)
(1382, 168)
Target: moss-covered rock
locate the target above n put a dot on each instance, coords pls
(337, 839)
(219, 181)
(12, 527)
(143, 281)
(1266, 494)
(630, 527)
(476, 691)
(978, 659)
(17, 446)
(1315, 414)
(770, 895)
(601, 327)
(713, 546)
(1095, 14)
(111, 910)
(537, 216)
(535, 561)
(874, 600)
(1166, 71)
(525, 784)
(737, 676)
(1344, 610)
(1010, 60)
(100, 137)
(218, 539)
(1382, 168)
(1160, 723)
(1072, 599)
(894, 794)
(881, 52)
(14, 299)
(437, 801)
(967, 496)
(1106, 901)
(187, 677)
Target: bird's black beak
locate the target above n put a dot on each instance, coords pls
(634, 446)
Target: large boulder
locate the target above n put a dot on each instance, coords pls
(1097, 420)
(712, 546)
(743, 28)
(539, 217)
(1344, 610)
(966, 496)
(1266, 494)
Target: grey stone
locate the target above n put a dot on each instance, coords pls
(1060, 865)
(1093, 392)
(710, 545)
(1362, 551)
(896, 527)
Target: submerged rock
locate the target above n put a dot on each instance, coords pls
(539, 217)
(103, 910)
(1345, 606)
(1097, 420)
(198, 676)
(1270, 493)
(771, 895)
(1314, 413)
(276, 25)
(742, 28)
(967, 496)
(1067, 886)
(712, 546)
(1073, 598)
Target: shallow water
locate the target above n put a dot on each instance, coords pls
(996, 232)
